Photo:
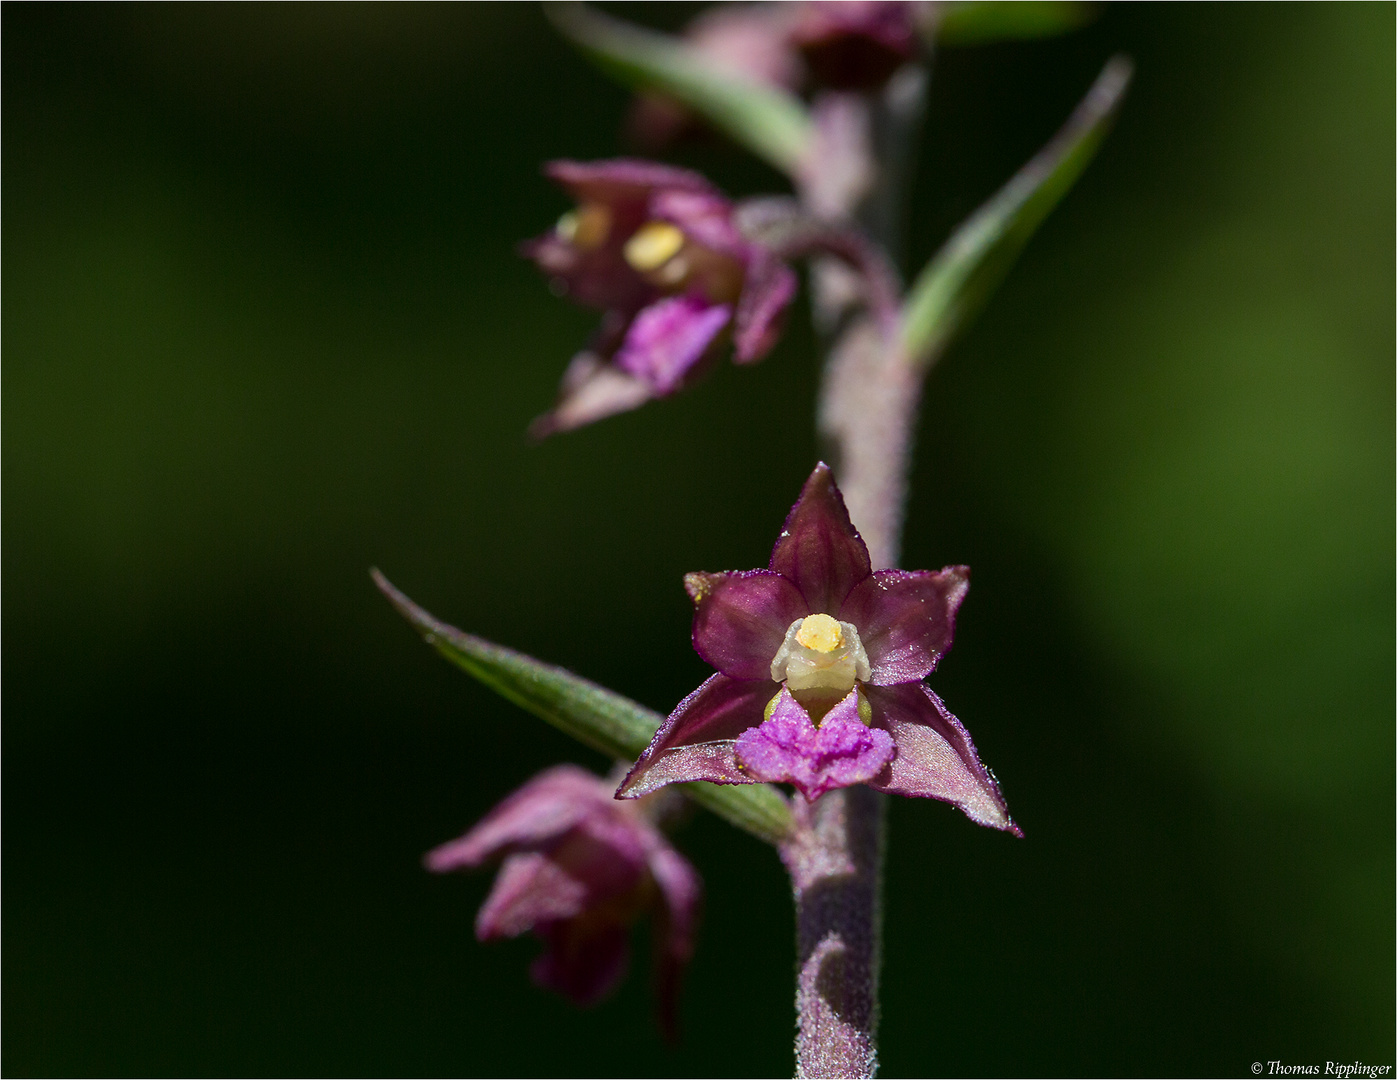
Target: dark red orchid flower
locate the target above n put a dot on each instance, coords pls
(820, 666)
(656, 249)
(578, 868)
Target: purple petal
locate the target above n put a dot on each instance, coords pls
(668, 338)
(676, 922)
(607, 851)
(542, 810)
(584, 960)
(906, 620)
(695, 743)
(788, 748)
(766, 291)
(704, 217)
(935, 757)
(819, 549)
(530, 890)
(592, 390)
(740, 619)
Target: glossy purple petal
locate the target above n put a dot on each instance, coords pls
(668, 338)
(543, 809)
(935, 757)
(695, 743)
(788, 748)
(740, 619)
(906, 619)
(766, 292)
(819, 549)
(584, 959)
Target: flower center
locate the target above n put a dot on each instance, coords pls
(820, 632)
(653, 245)
(822, 654)
(586, 228)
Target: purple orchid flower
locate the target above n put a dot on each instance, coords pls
(656, 249)
(578, 869)
(856, 44)
(820, 666)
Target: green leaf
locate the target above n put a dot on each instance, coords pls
(976, 22)
(592, 714)
(960, 277)
(769, 121)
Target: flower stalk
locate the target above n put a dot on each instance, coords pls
(821, 657)
(868, 401)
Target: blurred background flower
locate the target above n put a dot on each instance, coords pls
(264, 327)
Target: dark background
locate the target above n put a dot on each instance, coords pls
(264, 327)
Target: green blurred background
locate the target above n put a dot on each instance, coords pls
(264, 327)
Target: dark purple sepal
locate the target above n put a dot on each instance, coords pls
(741, 618)
(676, 924)
(695, 743)
(788, 748)
(583, 960)
(935, 757)
(767, 290)
(545, 808)
(906, 620)
(529, 890)
(667, 339)
(591, 390)
(621, 180)
(819, 549)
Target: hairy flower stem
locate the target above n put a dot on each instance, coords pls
(869, 397)
(835, 861)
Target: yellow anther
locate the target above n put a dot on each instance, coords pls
(586, 227)
(653, 245)
(821, 633)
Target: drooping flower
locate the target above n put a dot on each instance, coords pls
(657, 250)
(821, 662)
(578, 868)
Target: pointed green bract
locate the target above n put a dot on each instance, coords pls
(769, 121)
(981, 21)
(972, 262)
(592, 714)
